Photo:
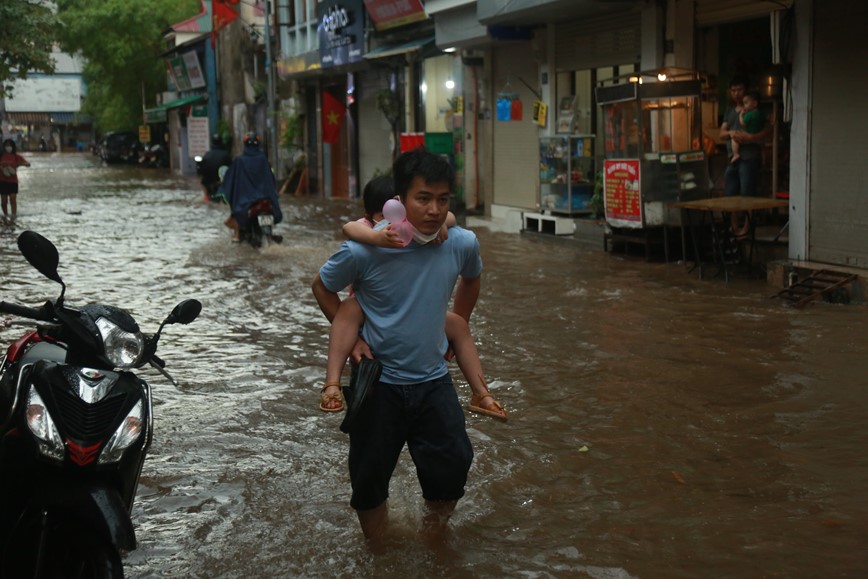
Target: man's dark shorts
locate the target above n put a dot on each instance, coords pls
(429, 418)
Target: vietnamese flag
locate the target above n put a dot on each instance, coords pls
(332, 114)
(223, 12)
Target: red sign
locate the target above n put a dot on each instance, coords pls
(393, 13)
(623, 199)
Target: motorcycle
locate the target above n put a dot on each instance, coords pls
(75, 427)
(260, 225)
(154, 156)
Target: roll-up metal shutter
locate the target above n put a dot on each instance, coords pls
(711, 12)
(375, 140)
(600, 41)
(838, 148)
(516, 143)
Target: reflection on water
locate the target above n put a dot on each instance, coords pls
(659, 425)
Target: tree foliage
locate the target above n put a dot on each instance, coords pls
(121, 42)
(27, 33)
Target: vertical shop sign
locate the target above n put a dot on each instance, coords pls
(194, 71)
(179, 72)
(623, 195)
(198, 135)
(340, 31)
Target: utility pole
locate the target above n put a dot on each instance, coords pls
(270, 120)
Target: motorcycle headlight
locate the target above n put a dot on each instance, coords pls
(122, 348)
(42, 426)
(126, 434)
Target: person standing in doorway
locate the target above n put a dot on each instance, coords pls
(10, 160)
(742, 177)
(404, 294)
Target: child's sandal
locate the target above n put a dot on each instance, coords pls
(326, 399)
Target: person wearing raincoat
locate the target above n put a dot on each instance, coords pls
(248, 180)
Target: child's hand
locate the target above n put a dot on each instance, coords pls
(442, 235)
(389, 238)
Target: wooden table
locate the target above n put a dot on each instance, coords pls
(725, 206)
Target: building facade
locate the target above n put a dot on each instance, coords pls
(503, 62)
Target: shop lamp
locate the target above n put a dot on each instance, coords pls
(450, 84)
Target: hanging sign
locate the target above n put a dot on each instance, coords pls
(393, 13)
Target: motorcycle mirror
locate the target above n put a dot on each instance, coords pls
(40, 253)
(185, 312)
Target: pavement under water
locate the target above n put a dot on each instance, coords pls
(659, 425)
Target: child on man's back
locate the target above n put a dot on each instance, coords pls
(349, 318)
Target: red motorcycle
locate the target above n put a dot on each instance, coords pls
(75, 426)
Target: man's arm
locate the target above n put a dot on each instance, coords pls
(328, 301)
(466, 295)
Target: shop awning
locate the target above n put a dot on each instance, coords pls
(158, 113)
(179, 103)
(67, 118)
(28, 119)
(397, 49)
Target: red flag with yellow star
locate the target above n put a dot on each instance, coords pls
(332, 114)
(223, 12)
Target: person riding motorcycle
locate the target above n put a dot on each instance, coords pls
(215, 159)
(248, 180)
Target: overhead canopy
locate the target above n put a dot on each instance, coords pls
(158, 113)
(27, 119)
(179, 103)
(396, 49)
(68, 118)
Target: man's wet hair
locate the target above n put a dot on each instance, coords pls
(738, 81)
(432, 168)
(377, 192)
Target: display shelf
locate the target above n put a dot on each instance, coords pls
(566, 174)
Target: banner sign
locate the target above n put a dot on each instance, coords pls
(393, 13)
(623, 194)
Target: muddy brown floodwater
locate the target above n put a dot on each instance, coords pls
(660, 426)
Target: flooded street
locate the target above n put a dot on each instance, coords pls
(660, 426)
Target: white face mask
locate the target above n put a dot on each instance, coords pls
(423, 238)
(7, 149)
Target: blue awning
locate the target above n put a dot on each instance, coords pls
(68, 118)
(396, 49)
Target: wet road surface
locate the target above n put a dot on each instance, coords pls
(660, 426)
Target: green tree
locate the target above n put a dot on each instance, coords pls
(27, 33)
(121, 42)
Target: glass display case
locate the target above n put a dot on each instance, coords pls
(566, 174)
(653, 146)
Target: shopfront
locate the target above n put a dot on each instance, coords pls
(341, 36)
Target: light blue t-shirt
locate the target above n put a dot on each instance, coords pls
(404, 294)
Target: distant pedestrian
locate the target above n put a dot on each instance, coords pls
(10, 160)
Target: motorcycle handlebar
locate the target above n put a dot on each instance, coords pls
(23, 311)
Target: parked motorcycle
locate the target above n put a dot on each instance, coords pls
(260, 225)
(75, 426)
(154, 156)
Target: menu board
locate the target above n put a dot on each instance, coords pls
(623, 193)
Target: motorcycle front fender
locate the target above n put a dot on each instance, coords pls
(98, 507)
